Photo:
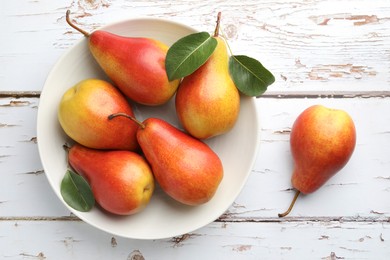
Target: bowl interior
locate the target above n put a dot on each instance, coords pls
(163, 217)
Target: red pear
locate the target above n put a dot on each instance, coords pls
(322, 141)
(121, 181)
(186, 168)
(135, 64)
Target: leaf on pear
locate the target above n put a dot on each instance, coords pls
(188, 54)
(76, 192)
(249, 75)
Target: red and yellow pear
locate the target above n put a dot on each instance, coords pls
(121, 181)
(208, 101)
(322, 141)
(135, 64)
(83, 112)
(186, 168)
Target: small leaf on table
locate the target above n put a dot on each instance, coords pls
(249, 75)
(76, 192)
(188, 54)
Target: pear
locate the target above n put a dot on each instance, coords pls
(322, 141)
(186, 168)
(207, 101)
(135, 64)
(121, 181)
(83, 112)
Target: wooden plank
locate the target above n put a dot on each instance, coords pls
(24, 187)
(358, 192)
(310, 240)
(329, 52)
(308, 45)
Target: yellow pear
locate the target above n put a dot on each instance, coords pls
(207, 101)
(83, 112)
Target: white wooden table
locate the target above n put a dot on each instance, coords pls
(335, 53)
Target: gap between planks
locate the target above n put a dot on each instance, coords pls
(273, 94)
(223, 219)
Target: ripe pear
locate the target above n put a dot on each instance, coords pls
(187, 169)
(83, 112)
(121, 181)
(135, 64)
(208, 101)
(322, 141)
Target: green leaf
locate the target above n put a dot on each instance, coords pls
(188, 54)
(250, 77)
(76, 192)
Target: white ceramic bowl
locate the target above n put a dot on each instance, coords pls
(163, 217)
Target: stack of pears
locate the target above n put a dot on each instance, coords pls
(121, 157)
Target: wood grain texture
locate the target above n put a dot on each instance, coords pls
(326, 52)
(310, 240)
(363, 184)
(306, 44)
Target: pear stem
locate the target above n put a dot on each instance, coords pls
(112, 116)
(280, 215)
(86, 34)
(66, 147)
(216, 32)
